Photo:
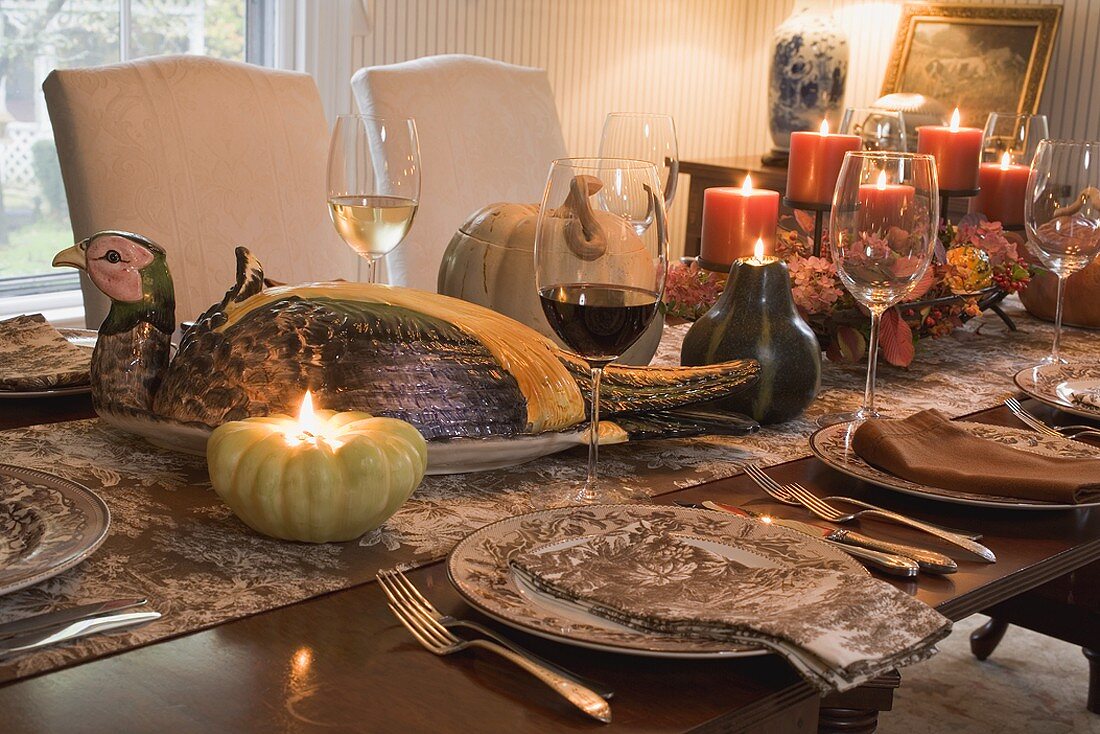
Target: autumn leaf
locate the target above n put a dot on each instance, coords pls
(896, 339)
(847, 346)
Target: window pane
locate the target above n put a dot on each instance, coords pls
(208, 27)
(35, 37)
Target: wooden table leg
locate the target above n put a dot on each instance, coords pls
(984, 640)
(856, 711)
(1093, 704)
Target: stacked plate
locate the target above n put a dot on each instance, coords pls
(1074, 388)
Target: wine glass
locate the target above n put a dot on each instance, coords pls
(879, 129)
(600, 280)
(644, 137)
(884, 221)
(373, 183)
(1018, 135)
(1062, 214)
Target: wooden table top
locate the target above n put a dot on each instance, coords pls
(340, 662)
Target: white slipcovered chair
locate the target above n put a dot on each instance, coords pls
(199, 155)
(488, 132)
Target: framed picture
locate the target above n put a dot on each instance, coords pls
(981, 58)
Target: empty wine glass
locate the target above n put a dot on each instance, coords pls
(644, 137)
(600, 280)
(879, 129)
(373, 183)
(1018, 135)
(1062, 214)
(883, 224)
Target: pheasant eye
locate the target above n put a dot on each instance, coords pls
(112, 256)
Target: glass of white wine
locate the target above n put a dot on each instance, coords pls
(373, 183)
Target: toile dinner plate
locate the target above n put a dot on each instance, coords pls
(47, 525)
(833, 445)
(478, 567)
(80, 337)
(1052, 384)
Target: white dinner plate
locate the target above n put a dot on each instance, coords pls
(833, 445)
(479, 569)
(1050, 383)
(47, 525)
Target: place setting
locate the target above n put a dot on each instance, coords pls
(439, 409)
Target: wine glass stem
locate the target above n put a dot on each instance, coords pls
(872, 363)
(370, 270)
(1055, 357)
(594, 431)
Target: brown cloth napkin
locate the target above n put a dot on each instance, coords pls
(928, 448)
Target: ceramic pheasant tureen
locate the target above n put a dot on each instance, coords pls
(451, 368)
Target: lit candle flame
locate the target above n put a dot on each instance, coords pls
(955, 120)
(746, 188)
(825, 127)
(307, 418)
(1006, 159)
(881, 183)
(766, 519)
(758, 250)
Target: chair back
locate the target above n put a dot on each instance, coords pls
(199, 155)
(488, 132)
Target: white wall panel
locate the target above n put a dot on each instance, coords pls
(703, 61)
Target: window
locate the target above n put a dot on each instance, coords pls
(37, 36)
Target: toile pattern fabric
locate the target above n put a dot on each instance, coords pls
(837, 629)
(36, 356)
(172, 541)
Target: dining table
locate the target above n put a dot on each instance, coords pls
(261, 635)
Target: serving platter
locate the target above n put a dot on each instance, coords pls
(833, 445)
(479, 569)
(47, 525)
(1053, 384)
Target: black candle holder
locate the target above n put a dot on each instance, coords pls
(946, 195)
(819, 213)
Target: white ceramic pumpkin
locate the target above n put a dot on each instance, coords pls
(490, 262)
(343, 475)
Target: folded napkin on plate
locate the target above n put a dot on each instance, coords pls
(1088, 396)
(928, 448)
(837, 629)
(35, 356)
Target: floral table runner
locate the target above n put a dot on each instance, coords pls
(174, 542)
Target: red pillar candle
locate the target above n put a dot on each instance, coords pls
(815, 164)
(733, 219)
(1004, 186)
(957, 151)
(883, 205)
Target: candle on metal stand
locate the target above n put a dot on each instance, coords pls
(957, 151)
(815, 163)
(880, 201)
(1003, 188)
(734, 218)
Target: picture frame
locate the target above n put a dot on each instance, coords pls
(980, 58)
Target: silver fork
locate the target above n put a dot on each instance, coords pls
(439, 640)
(796, 494)
(399, 585)
(1035, 424)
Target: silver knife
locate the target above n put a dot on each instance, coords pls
(60, 618)
(928, 560)
(889, 563)
(81, 628)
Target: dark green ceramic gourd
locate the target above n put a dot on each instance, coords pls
(755, 318)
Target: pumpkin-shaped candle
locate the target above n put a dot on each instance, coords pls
(324, 476)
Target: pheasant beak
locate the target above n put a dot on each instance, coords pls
(73, 256)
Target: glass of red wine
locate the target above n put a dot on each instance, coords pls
(599, 279)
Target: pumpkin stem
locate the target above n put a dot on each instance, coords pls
(583, 233)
